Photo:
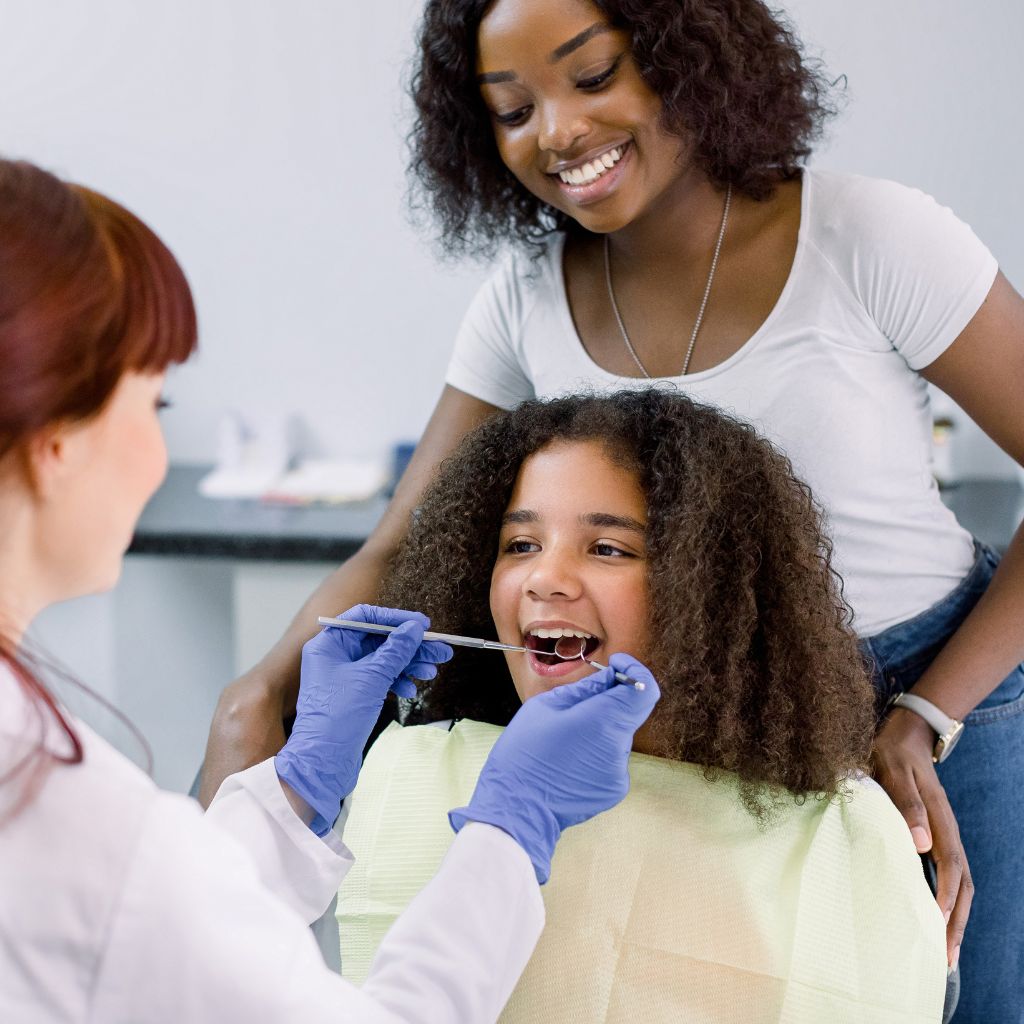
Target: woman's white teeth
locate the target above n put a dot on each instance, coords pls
(556, 632)
(592, 171)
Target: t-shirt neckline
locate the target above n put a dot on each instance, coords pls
(565, 313)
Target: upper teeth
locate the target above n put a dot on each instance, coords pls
(556, 631)
(591, 172)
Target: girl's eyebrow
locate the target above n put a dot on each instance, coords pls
(528, 515)
(613, 521)
(520, 515)
(493, 77)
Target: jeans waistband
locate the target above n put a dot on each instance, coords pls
(919, 636)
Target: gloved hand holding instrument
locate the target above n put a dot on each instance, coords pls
(562, 759)
(344, 679)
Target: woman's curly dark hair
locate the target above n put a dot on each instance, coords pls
(730, 75)
(759, 670)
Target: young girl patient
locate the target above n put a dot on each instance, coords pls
(753, 873)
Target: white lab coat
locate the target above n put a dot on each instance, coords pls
(122, 903)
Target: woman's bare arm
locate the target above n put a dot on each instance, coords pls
(248, 722)
(983, 370)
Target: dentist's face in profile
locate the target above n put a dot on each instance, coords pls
(571, 565)
(113, 464)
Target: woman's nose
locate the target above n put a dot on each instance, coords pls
(562, 126)
(553, 575)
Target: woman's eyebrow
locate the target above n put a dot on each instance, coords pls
(578, 40)
(611, 520)
(493, 77)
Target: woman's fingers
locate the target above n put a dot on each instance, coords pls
(954, 888)
(899, 782)
(904, 769)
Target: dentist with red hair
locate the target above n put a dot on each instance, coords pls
(122, 903)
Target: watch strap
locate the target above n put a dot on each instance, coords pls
(937, 719)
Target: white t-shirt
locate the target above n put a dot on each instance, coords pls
(122, 904)
(883, 281)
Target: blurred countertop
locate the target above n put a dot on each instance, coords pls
(178, 521)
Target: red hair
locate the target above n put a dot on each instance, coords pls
(87, 294)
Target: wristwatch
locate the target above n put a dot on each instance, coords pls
(948, 729)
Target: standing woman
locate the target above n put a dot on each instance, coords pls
(644, 160)
(119, 903)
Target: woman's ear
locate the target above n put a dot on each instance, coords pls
(46, 459)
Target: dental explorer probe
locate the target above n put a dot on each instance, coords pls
(472, 641)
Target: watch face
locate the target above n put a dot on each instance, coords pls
(946, 743)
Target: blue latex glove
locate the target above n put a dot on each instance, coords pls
(562, 759)
(345, 676)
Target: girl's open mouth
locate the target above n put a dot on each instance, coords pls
(570, 645)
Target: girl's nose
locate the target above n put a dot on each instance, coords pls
(553, 575)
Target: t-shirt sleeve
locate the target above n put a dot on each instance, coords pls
(919, 271)
(485, 361)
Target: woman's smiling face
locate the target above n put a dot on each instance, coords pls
(573, 119)
(571, 561)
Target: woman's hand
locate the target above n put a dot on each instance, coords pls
(247, 727)
(902, 762)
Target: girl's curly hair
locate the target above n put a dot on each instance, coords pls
(730, 74)
(759, 670)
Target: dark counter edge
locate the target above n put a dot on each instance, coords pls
(178, 522)
(248, 548)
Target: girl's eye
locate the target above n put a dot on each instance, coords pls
(521, 547)
(163, 403)
(594, 83)
(606, 550)
(514, 117)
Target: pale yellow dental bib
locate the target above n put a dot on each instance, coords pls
(674, 906)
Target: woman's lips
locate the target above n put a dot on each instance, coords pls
(584, 195)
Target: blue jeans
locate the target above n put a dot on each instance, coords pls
(984, 780)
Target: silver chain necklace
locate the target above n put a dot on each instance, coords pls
(703, 303)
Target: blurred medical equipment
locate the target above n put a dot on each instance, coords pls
(261, 459)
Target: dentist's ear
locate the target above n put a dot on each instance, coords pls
(49, 457)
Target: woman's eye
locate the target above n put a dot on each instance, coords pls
(596, 81)
(163, 403)
(513, 117)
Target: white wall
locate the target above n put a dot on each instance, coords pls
(263, 140)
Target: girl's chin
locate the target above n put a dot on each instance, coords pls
(527, 688)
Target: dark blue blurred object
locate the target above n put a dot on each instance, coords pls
(400, 456)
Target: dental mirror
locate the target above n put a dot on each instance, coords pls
(565, 645)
